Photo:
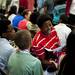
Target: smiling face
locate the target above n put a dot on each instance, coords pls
(46, 28)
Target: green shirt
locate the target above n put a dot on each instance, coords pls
(24, 64)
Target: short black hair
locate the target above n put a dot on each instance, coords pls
(34, 16)
(4, 25)
(13, 9)
(42, 18)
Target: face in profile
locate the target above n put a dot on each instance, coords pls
(46, 28)
(27, 16)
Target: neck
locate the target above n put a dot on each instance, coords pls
(25, 50)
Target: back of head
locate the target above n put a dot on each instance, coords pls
(42, 18)
(4, 26)
(20, 11)
(13, 10)
(33, 17)
(23, 39)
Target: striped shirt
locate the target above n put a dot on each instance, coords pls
(41, 41)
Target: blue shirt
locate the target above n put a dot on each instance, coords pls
(16, 20)
(5, 51)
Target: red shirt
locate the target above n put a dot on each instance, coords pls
(31, 5)
(41, 41)
(23, 3)
(68, 4)
(23, 24)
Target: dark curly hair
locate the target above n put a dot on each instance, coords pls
(42, 18)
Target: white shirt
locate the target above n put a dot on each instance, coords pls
(62, 32)
(11, 17)
(47, 73)
(72, 8)
(14, 3)
(24, 51)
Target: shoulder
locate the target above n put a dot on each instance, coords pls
(37, 34)
(36, 61)
(53, 30)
